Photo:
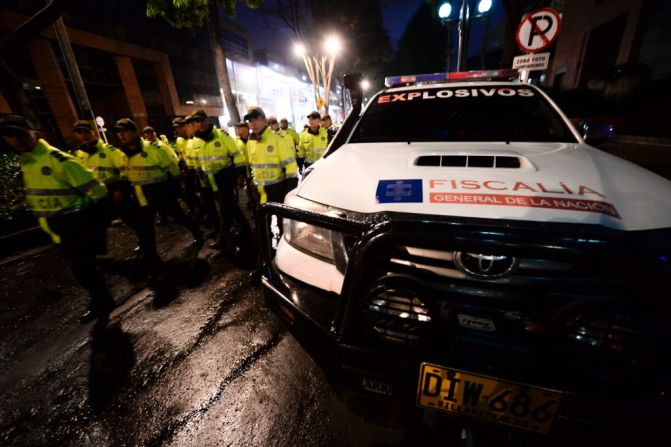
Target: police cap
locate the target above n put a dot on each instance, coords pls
(272, 120)
(326, 117)
(148, 129)
(198, 115)
(13, 123)
(253, 113)
(178, 122)
(314, 115)
(241, 124)
(126, 124)
(82, 126)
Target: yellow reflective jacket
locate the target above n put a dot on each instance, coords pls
(217, 153)
(107, 162)
(272, 158)
(180, 147)
(242, 146)
(190, 154)
(56, 183)
(293, 134)
(312, 146)
(150, 165)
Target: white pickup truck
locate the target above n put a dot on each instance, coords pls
(461, 250)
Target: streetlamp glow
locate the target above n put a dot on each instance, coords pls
(484, 6)
(365, 85)
(299, 49)
(445, 10)
(332, 45)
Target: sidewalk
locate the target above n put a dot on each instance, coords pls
(637, 139)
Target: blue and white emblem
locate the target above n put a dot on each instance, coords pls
(399, 191)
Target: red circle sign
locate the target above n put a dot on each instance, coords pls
(538, 30)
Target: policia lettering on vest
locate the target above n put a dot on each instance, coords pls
(70, 204)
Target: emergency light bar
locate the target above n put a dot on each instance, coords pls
(392, 81)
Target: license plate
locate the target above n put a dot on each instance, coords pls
(515, 404)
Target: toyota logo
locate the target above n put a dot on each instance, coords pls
(481, 266)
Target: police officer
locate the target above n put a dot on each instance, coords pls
(68, 201)
(241, 138)
(223, 163)
(313, 140)
(327, 123)
(150, 173)
(108, 165)
(272, 158)
(275, 126)
(197, 177)
(284, 125)
(181, 140)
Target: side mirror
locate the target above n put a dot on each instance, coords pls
(594, 132)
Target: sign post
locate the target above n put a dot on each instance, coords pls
(536, 32)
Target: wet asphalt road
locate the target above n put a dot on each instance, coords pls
(194, 360)
(208, 365)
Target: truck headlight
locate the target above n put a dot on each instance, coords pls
(324, 244)
(309, 238)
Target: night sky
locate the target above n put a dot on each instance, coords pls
(279, 39)
(271, 33)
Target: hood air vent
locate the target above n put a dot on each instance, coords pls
(469, 161)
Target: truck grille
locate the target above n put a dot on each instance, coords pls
(555, 303)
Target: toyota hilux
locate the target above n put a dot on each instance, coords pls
(461, 250)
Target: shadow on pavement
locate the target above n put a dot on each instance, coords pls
(175, 275)
(112, 358)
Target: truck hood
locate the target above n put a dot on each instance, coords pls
(555, 182)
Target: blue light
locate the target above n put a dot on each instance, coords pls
(445, 10)
(484, 6)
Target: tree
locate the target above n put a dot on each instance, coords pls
(194, 14)
(367, 47)
(294, 14)
(422, 46)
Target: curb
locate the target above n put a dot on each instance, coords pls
(648, 141)
(13, 243)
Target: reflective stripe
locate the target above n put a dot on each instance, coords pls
(215, 157)
(235, 154)
(265, 166)
(268, 182)
(238, 165)
(88, 186)
(102, 168)
(288, 160)
(294, 175)
(52, 192)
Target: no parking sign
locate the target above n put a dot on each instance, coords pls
(538, 30)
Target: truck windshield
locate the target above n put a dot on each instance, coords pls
(485, 113)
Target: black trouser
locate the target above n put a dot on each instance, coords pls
(226, 180)
(207, 199)
(160, 196)
(190, 191)
(82, 233)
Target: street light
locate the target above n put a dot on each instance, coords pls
(365, 85)
(320, 68)
(465, 18)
